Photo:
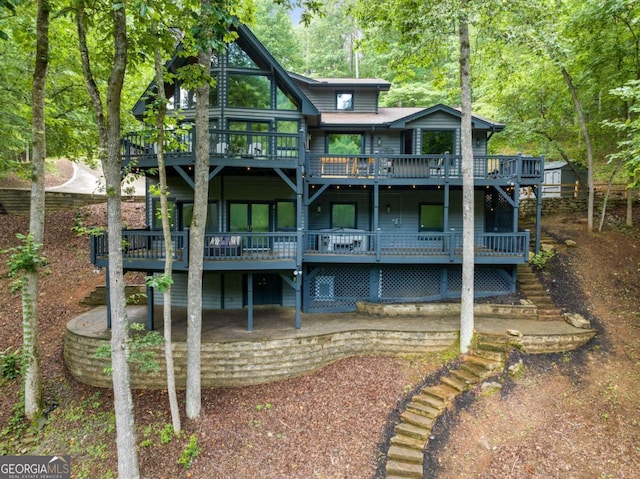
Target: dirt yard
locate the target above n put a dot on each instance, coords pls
(568, 416)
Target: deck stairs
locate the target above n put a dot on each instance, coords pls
(406, 448)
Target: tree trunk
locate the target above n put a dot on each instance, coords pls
(587, 141)
(196, 243)
(123, 402)
(630, 204)
(33, 396)
(606, 195)
(168, 244)
(466, 307)
(109, 133)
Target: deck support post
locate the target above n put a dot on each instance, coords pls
(298, 283)
(107, 284)
(150, 312)
(250, 302)
(538, 216)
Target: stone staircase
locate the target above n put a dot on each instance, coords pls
(406, 449)
(534, 291)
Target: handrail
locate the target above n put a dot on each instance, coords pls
(146, 245)
(261, 145)
(446, 166)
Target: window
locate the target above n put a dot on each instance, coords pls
(186, 215)
(436, 142)
(156, 211)
(431, 217)
(285, 216)
(345, 143)
(344, 100)
(249, 91)
(343, 215)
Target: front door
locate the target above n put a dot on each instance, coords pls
(251, 218)
(267, 289)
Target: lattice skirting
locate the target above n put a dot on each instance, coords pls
(331, 288)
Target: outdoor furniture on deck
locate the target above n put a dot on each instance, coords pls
(224, 246)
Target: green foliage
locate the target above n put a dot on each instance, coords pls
(629, 127)
(142, 349)
(263, 407)
(542, 258)
(161, 282)
(189, 453)
(164, 433)
(25, 258)
(79, 227)
(10, 364)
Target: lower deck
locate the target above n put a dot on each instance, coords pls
(275, 350)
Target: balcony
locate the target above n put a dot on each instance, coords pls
(144, 250)
(226, 147)
(439, 168)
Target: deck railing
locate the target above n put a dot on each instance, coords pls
(425, 244)
(180, 145)
(141, 247)
(422, 166)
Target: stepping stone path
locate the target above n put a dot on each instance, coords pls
(406, 450)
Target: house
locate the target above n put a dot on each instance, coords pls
(319, 198)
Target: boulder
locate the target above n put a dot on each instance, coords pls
(577, 321)
(570, 243)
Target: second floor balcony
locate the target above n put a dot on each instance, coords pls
(144, 249)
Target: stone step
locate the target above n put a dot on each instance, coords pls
(498, 344)
(432, 401)
(408, 441)
(465, 376)
(478, 371)
(418, 420)
(405, 454)
(487, 364)
(455, 383)
(423, 409)
(491, 355)
(410, 430)
(441, 391)
(404, 469)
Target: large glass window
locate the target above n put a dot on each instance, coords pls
(238, 58)
(437, 142)
(431, 217)
(285, 215)
(285, 101)
(343, 215)
(156, 211)
(345, 143)
(186, 215)
(249, 91)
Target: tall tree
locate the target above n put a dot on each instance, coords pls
(33, 396)
(109, 133)
(468, 228)
(420, 27)
(210, 35)
(165, 281)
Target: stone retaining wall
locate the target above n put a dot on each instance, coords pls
(522, 311)
(15, 201)
(554, 206)
(247, 362)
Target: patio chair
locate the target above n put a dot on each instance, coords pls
(255, 149)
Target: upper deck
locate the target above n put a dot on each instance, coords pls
(232, 148)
